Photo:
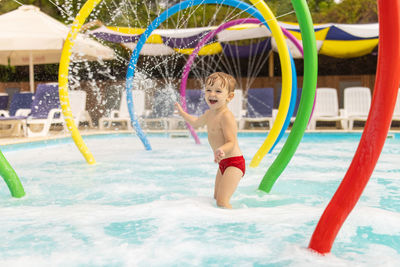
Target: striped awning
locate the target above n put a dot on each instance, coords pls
(335, 40)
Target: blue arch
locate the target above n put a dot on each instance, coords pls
(156, 23)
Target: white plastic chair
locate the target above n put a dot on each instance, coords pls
(357, 102)
(260, 103)
(122, 115)
(78, 107)
(4, 99)
(162, 111)
(236, 106)
(45, 111)
(396, 112)
(327, 108)
(13, 121)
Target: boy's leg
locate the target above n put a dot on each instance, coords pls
(218, 178)
(227, 186)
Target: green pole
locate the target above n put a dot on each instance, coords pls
(11, 178)
(307, 97)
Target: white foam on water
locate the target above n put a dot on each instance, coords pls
(139, 208)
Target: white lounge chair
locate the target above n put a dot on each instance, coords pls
(3, 101)
(357, 102)
(122, 115)
(236, 106)
(45, 110)
(78, 107)
(13, 121)
(162, 112)
(327, 108)
(296, 107)
(260, 103)
(396, 112)
(196, 106)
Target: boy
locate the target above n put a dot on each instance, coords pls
(222, 135)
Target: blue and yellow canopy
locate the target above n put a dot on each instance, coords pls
(335, 40)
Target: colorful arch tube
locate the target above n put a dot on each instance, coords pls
(11, 178)
(263, 14)
(210, 35)
(306, 101)
(63, 73)
(63, 86)
(283, 107)
(294, 88)
(375, 130)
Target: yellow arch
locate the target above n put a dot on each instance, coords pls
(63, 79)
(286, 82)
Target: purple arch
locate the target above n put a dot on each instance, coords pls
(210, 35)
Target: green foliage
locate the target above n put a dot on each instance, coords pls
(45, 5)
(7, 73)
(142, 12)
(354, 11)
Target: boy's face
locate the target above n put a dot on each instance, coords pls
(216, 95)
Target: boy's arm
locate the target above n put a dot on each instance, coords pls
(229, 130)
(192, 120)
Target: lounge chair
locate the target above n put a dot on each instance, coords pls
(296, 107)
(45, 110)
(260, 103)
(3, 101)
(20, 104)
(195, 102)
(396, 112)
(122, 114)
(11, 91)
(78, 107)
(357, 102)
(13, 121)
(327, 108)
(162, 113)
(236, 106)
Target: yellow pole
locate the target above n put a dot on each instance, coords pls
(63, 79)
(286, 81)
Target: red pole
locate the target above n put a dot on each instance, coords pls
(375, 132)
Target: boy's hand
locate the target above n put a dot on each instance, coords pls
(219, 154)
(178, 108)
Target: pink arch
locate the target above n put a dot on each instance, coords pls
(210, 35)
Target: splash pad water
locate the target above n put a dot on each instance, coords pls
(391, 83)
(156, 208)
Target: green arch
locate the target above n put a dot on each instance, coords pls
(11, 178)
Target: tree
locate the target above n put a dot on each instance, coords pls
(45, 6)
(351, 12)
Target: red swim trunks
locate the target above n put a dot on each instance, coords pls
(237, 162)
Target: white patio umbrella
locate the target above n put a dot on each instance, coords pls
(29, 36)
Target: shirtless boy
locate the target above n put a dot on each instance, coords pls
(222, 135)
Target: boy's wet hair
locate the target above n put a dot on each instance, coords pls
(227, 81)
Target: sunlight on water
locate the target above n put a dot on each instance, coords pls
(155, 208)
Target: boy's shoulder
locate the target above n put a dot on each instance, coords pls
(227, 115)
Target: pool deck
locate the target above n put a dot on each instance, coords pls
(9, 140)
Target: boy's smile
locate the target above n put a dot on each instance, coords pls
(216, 96)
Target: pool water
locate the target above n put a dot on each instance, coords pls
(156, 208)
